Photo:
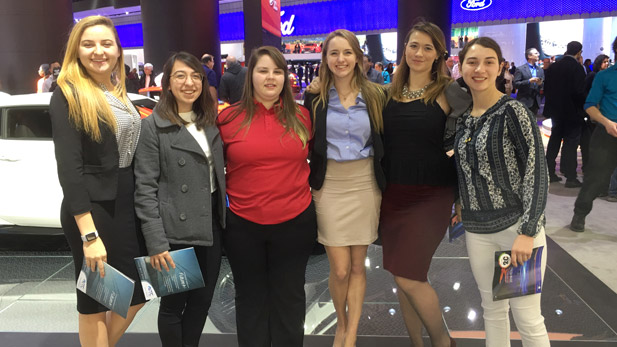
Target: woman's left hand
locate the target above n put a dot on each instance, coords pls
(521, 249)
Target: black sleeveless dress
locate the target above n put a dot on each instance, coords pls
(421, 183)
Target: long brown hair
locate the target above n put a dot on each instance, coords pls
(438, 71)
(287, 110)
(372, 93)
(87, 103)
(203, 107)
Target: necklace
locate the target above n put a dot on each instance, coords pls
(414, 94)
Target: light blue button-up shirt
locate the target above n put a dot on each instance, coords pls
(603, 93)
(348, 131)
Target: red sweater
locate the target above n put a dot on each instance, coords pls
(267, 171)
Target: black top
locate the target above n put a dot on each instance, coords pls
(414, 145)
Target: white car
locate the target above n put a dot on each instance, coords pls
(30, 194)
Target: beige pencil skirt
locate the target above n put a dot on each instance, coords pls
(348, 204)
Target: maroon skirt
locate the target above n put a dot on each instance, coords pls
(414, 220)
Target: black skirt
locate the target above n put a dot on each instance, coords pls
(119, 229)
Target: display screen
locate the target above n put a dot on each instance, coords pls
(271, 16)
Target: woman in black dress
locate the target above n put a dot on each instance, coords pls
(95, 132)
(421, 179)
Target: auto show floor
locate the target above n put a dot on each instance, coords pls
(579, 300)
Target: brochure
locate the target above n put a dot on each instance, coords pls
(186, 275)
(513, 281)
(455, 231)
(114, 291)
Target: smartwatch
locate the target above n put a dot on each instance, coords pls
(90, 236)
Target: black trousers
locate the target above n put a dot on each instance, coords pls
(602, 163)
(268, 264)
(182, 316)
(586, 133)
(569, 131)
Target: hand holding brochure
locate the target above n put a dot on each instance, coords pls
(186, 275)
(114, 291)
(510, 281)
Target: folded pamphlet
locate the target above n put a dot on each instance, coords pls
(114, 291)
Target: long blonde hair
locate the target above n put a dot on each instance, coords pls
(372, 93)
(87, 103)
(287, 111)
(438, 71)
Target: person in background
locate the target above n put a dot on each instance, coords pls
(384, 74)
(601, 106)
(51, 83)
(528, 81)
(346, 174)
(182, 205)
(207, 60)
(503, 185)
(44, 73)
(421, 179)
(370, 73)
(95, 131)
(271, 226)
(599, 64)
(232, 81)
(587, 65)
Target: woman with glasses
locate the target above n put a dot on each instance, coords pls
(271, 226)
(180, 195)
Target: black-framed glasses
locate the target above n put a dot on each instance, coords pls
(181, 77)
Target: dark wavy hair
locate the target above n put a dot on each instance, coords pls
(597, 63)
(203, 107)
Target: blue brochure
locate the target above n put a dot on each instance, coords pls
(510, 281)
(113, 291)
(186, 275)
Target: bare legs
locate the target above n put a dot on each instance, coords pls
(347, 283)
(420, 307)
(104, 329)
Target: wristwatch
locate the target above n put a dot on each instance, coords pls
(90, 236)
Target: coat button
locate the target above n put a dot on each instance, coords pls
(182, 216)
(182, 162)
(184, 188)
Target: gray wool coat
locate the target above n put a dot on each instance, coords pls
(172, 179)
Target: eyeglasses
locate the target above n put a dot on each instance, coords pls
(180, 77)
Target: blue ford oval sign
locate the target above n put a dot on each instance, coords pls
(475, 5)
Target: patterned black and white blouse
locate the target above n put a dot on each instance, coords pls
(128, 125)
(502, 169)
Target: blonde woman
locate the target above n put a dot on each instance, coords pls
(95, 132)
(346, 174)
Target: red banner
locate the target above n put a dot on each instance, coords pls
(271, 16)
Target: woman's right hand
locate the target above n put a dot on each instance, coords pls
(95, 254)
(457, 218)
(164, 259)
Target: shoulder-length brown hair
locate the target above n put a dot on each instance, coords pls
(287, 110)
(372, 93)
(203, 107)
(87, 103)
(438, 71)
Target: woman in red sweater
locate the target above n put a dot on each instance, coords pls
(271, 225)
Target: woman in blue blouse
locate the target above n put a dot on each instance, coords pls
(346, 175)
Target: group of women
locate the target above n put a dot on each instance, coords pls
(378, 159)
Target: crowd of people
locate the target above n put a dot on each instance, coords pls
(395, 159)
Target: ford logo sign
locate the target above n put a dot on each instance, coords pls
(475, 5)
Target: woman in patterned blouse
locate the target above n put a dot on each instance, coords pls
(503, 183)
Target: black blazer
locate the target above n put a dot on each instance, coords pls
(318, 156)
(87, 170)
(565, 90)
(527, 92)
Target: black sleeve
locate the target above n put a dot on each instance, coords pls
(69, 156)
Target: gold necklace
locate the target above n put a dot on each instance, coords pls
(414, 94)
